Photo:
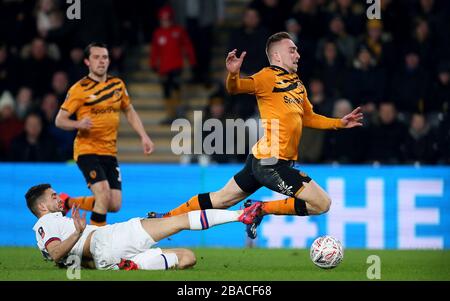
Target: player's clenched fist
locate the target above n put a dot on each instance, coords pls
(85, 124)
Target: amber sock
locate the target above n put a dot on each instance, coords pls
(289, 206)
(98, 219)
(198, 202)
(85, 202)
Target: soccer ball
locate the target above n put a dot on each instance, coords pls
(326, 252)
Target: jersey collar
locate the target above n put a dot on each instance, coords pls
(280, 68)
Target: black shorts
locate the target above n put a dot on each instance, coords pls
(281, 177)
(96, 168)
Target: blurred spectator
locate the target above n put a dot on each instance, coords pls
(331, 69)
(410, 84)
(60, 85)
(64, 139)
(312, 20)
(24, 102)
(423, 42)
(385, 140)
(217, 109)
(135, 24)
(343, 146)
(345, 43)
(439, 101)
(8, 70)
(250, 37)
(17, 25)
(352, 13)
(199, 18)
(322, 104)
(379, 44)
(273, 13)
(38, 69)
(395, 20)
(419, 143)
(168, 45)
(306, 48)
(48, 16)
(10, 125)
(366, 84)
(33, 145)
(76, 68)
(99, 23)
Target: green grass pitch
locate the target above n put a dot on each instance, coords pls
(246, 264)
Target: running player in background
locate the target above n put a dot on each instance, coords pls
(97, 101)
(284, 109)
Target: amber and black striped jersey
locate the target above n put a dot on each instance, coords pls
(284, 110)
(102, 103)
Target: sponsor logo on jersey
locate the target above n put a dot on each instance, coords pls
(107, 110)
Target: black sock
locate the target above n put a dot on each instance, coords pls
(98, 218)
(300, 207)
(204, 201)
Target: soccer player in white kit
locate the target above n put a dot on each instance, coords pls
(126, 245)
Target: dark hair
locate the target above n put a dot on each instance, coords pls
(276, 38)
(33, 195)
(87, 50)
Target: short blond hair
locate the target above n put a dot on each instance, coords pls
(277, 37)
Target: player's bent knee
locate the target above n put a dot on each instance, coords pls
(186, 259)
(324, 205)
(115, 207)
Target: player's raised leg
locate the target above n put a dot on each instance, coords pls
(83, 202)
(239, 187)
(102, 194)
(116, 200)
(226, 197)
(160, 228)
(305, 197)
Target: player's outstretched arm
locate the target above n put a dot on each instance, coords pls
(60, 249)
(234, 63)
(235, 84)
(353, 119)
(64, 122)
(136, 123)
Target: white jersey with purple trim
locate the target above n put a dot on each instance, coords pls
(55, 226)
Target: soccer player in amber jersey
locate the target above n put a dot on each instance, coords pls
(284, 109)
(97, 100)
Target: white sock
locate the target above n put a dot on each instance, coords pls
(204, 219)
(146, 261)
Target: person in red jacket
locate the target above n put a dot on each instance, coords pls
(169, 44)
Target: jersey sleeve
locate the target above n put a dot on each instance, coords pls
(264, 81)
(73, 101)
(316, 121)
(47, 233)
(126, 101)
(237, 85)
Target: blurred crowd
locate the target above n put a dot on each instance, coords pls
(396, 68)
(41, 56)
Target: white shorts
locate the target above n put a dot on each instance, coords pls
(111, 243)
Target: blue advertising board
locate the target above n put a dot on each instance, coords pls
(391, 207)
